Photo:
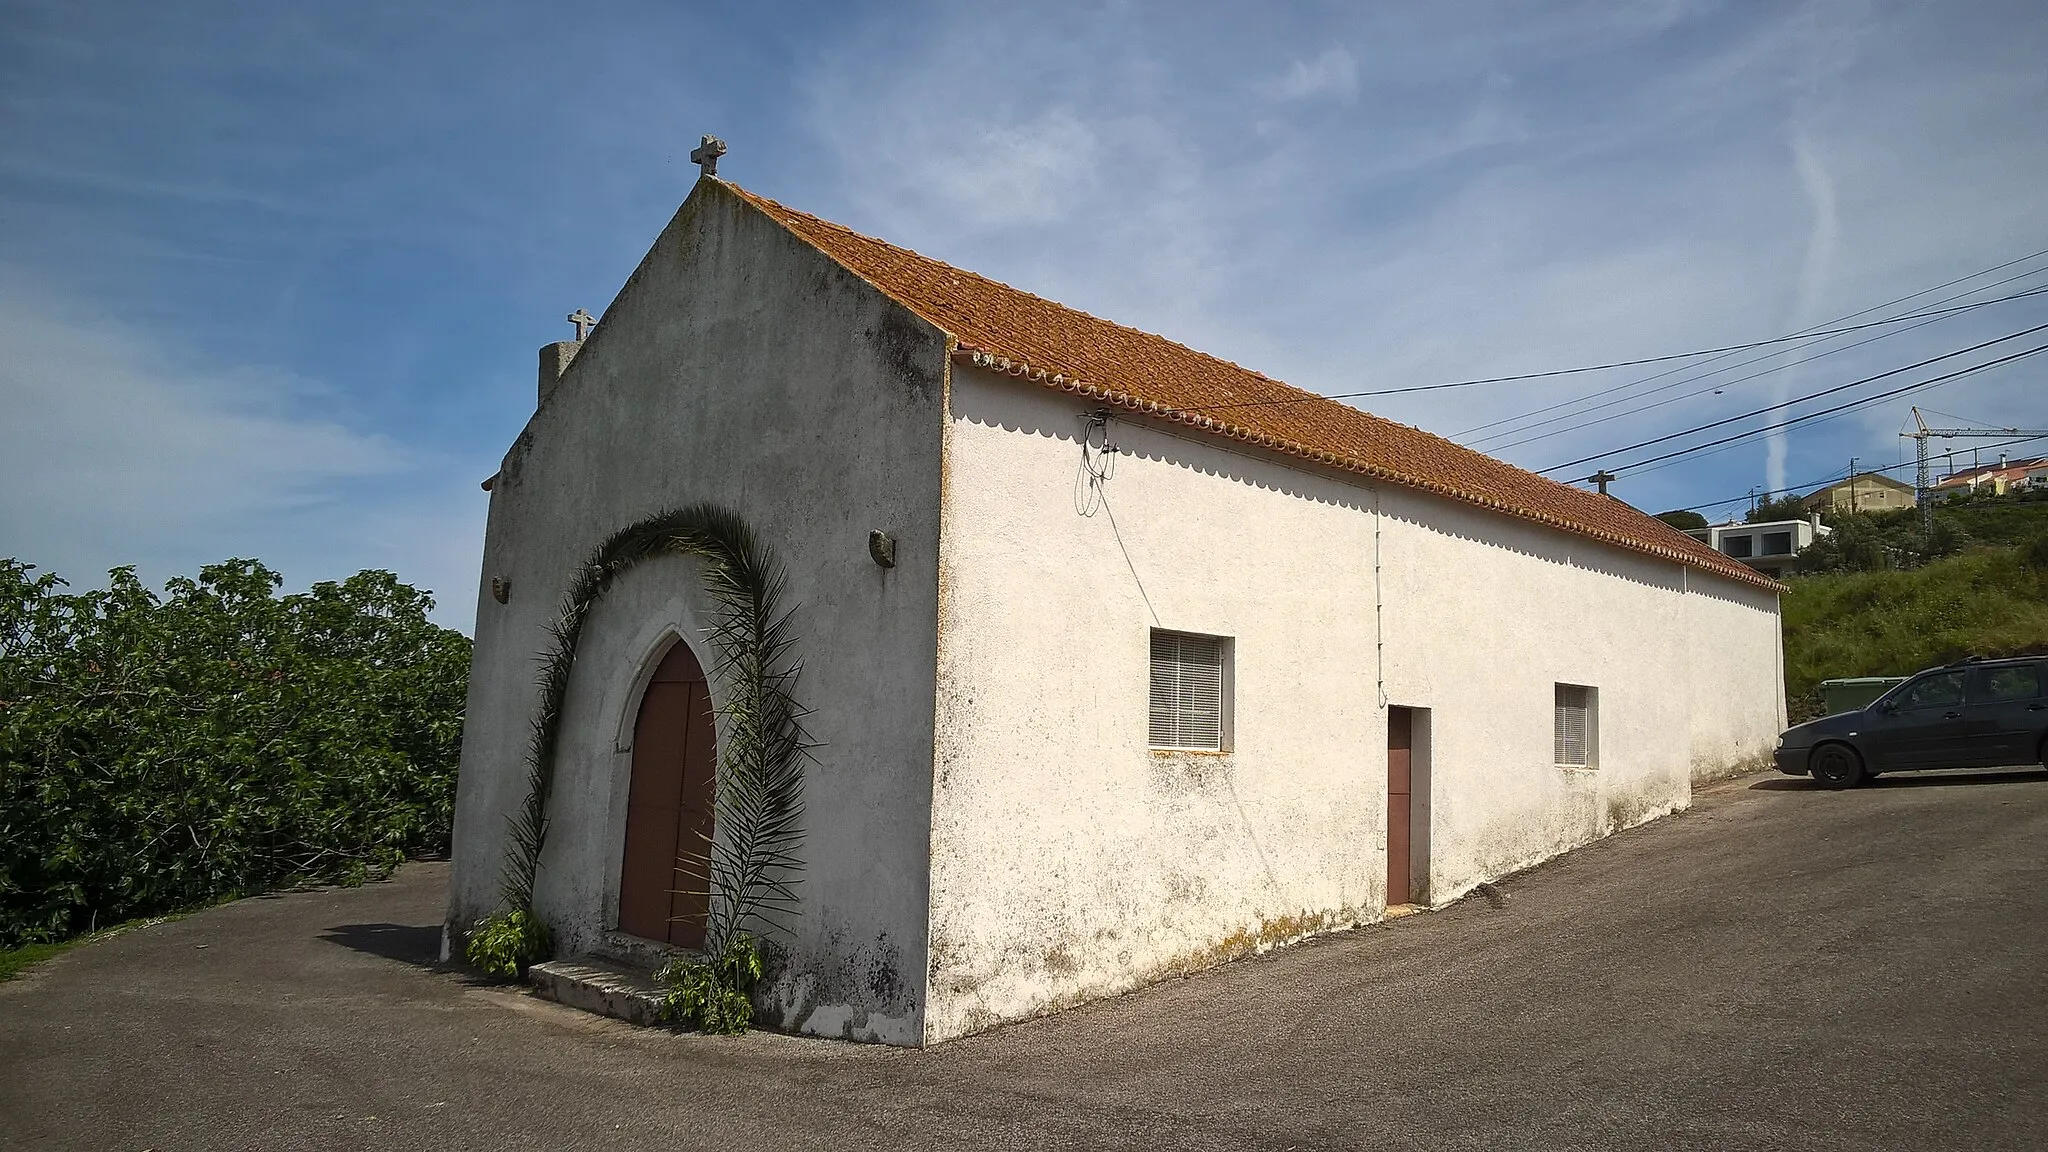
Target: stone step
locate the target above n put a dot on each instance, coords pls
(601, 986)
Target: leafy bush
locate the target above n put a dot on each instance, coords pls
(1885, 541)
(714, 995)
(161, 751)
(1986, 602)
(507, 944)
(2035, 554)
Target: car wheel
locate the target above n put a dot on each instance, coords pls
(1836, 766)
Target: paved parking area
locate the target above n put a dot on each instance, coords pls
(1779, 968)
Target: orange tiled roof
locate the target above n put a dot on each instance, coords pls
(999, 327)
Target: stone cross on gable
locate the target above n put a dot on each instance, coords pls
(706, 155)
(584, 322)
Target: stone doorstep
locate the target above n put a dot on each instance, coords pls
(601, 986)
(620, 950)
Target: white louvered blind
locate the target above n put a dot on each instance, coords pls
(1187, 691)
(1574, 725)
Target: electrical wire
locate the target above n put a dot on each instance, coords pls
(1857, 403)
(1832, 478)
(1931, 318)
(1804, 334)
(1780, 406)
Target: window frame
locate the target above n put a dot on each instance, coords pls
(1589, 706)
(1226, 658)
(1961, 676)
(1977, 686)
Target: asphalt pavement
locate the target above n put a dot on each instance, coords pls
(1778, 968)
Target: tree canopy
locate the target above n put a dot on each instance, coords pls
(163, 750)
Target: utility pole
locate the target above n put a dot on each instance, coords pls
(1852, 485)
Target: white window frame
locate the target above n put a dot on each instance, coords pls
(1588, 723)
(1172, 725)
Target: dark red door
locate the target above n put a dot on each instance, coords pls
(1400, 774)
(663, 882)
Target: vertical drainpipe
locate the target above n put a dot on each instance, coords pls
(1379, 608)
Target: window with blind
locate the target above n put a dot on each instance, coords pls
(1188, 691)
(1575, 728)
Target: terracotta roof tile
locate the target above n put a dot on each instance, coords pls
(999, 327)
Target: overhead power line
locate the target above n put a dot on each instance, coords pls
(1924, 319)
(1815, 333)
(1769, 408)
(1811, 331)
(1857, 403)
(1731, 348)
(1831, 478)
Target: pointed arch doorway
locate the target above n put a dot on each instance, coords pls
(663, 878)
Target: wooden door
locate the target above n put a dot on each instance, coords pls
(663, 881)
(1400, 784)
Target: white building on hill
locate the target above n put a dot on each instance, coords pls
(1172, 661)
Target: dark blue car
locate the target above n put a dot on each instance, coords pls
(1973, 714)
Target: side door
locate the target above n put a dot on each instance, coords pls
(1921, 726)
(2006, 713)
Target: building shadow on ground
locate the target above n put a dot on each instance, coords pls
(410, 944)
(1933, 779)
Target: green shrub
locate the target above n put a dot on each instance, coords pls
(714, 995)
(163, 751)
(507, 944)
(2035, 554)
(1985, 602)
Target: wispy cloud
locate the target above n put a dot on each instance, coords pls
(119, 448)
(1333, 75)
(1030, 172)
(1458, 193)
(289, 267)
(1814, 270)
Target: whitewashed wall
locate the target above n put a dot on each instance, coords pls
(742, 367)
(1070, 862)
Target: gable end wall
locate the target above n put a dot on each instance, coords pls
(739, 366)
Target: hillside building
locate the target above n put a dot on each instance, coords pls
(1863, 492)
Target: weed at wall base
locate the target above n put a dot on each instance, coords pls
(507, 944)
(714, 994)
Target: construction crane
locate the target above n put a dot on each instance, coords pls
(1924, 483)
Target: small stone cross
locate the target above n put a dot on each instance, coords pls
(584, 322)
(706, 155)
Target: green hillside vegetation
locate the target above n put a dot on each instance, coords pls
(1882, 598)
(1883, 541)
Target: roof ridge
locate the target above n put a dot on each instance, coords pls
(1024, 334)
(1007, 287)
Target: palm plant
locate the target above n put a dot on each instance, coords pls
(753, 861)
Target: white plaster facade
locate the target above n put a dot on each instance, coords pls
(990, 837)
(1070, 861)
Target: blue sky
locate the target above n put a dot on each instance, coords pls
(272, 277)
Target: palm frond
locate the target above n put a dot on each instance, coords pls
(758, 796)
